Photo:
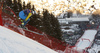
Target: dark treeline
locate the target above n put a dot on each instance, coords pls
(47, 23)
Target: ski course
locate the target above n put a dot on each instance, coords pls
(12, 42)
(12, 22)
(25, 29)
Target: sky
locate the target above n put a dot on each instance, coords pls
(59, 6)
(12, 42)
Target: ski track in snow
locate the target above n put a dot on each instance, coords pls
(12, 42)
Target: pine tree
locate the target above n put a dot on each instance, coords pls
(19, 5)
(8, 2)
(24, 5)
(33, 8)
(51, 25)
(36, 21)
(69, 14)
(46, 22)
(15, 5)
(55, 27)
(29, 5)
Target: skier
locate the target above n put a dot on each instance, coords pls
(25, 16)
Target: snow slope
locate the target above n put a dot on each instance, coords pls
(87, 39)
(12, 42)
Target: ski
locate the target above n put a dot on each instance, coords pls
(25, 29)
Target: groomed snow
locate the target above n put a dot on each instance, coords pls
(73, 19)
(12, 42)
(87, 39)
(77, 19)
(89, 34)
